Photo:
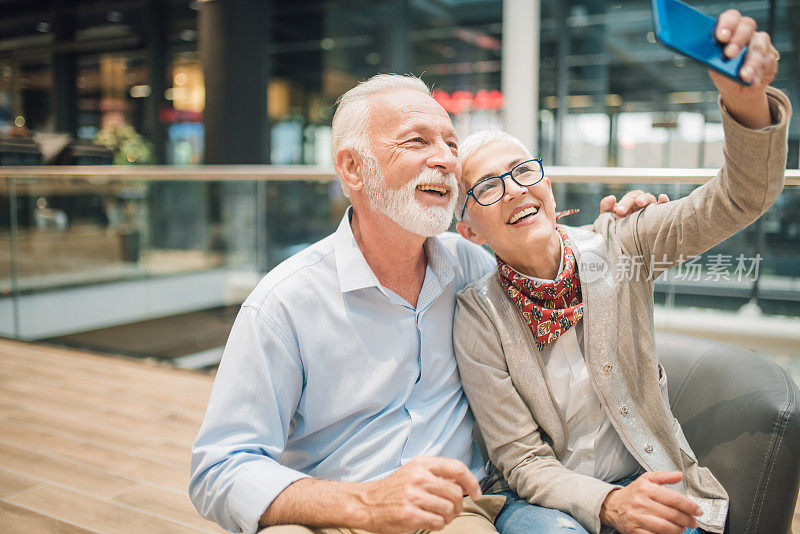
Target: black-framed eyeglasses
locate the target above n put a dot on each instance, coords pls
(491, 190)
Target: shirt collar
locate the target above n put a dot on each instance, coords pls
(355, 273)
(441, 261)
(353, 270)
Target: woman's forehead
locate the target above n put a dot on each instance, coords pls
(495, 158)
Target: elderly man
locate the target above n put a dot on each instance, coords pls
(337, 402)
(557, 355)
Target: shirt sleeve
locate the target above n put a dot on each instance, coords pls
(235, 474)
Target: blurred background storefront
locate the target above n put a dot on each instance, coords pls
(154, 260)
(599, 92)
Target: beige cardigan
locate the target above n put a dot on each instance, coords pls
(502, 370)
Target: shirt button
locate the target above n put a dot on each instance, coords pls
(623, 409)
(648, 448)
(608, 367)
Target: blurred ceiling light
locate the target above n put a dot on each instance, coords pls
(326, 43)
(479, 39)
(189, 93)
(140, 91)
(580, 101)
(686, 97)
(278, 97)
(169, 94)
(679, 62)
(651, 37)
(43, 27)
(188, 35)
(19, 121)
(114, 16)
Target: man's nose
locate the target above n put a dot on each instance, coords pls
(442, 157)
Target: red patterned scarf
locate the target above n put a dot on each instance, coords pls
(549, 308)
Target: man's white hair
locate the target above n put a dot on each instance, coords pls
(474, 144)
(351, 121)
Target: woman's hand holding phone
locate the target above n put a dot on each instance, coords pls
(746, 103)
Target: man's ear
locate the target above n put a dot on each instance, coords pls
(350, 167)
(468, 233)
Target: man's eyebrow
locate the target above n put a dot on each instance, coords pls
(409, 129)
(422, 128)
(511, 165)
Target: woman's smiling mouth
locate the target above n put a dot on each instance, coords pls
(522, 213)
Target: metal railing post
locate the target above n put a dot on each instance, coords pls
(14, 253)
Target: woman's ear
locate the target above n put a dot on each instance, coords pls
(350, 167)
(468, 233)
(550, 187)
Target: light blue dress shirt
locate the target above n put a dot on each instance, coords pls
(327, 373)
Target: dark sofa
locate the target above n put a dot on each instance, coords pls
(740, 413)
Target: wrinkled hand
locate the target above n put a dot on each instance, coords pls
(760, 66)
(646, 506)
(425, 494)
(632, 202)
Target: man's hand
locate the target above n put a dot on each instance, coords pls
(632, 202)
(746, 103)
(425, 494)
(645, 506)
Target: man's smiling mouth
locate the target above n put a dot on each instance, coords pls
(434, 188)
(523, 214)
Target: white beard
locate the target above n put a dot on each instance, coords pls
(401, 206)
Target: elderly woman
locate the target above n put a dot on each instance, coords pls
(557, 353)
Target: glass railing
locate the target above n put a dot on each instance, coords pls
(154, 261)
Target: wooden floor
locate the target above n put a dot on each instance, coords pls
(94, 443)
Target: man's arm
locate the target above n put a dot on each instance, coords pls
(476, 261)
(235, 473)
(425, 494)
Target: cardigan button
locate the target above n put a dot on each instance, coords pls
(608, 367)
(648, 448)
(623, 409)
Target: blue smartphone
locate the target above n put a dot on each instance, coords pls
(691, 33)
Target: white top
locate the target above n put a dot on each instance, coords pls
(593, 446)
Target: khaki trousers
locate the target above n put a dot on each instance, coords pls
(476, 518)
